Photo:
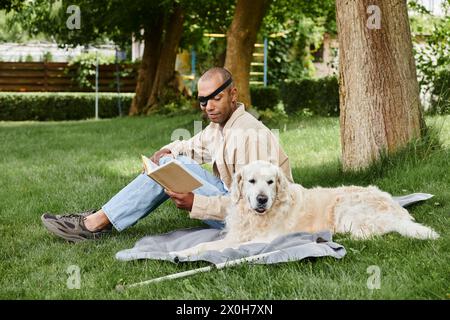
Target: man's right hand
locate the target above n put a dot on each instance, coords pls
(161, 153)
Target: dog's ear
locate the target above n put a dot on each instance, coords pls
(282, 186)
(236, 187)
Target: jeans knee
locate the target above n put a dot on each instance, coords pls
(181, 158)
(185, 159)
(215, 224)
(165, 159)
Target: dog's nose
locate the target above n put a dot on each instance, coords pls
(262, 199)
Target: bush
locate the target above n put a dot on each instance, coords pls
(82, 68)
(318, 96)
(273, 116)
(60, 106)
(440, 96)
(265, 98)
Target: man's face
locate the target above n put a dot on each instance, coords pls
(220, 107)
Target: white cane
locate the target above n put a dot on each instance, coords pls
(222, 265)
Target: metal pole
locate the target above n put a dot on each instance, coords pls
(119, 106)
(96, 85)
(265, 61)
(193, 71)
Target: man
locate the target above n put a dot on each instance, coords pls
(232, 139)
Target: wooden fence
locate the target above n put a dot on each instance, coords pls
(59, 77)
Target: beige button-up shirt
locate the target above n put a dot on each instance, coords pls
(242, 140)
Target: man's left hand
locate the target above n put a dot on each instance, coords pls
(181, 200)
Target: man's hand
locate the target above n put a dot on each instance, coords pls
(182, 200)
(158, 154)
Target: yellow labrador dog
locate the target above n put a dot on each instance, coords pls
(265, 205)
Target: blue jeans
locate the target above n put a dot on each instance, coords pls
(143, 195)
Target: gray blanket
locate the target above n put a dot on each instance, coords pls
(295, 246)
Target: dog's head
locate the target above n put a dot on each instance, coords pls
(260, 184)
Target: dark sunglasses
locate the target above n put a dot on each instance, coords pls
(204, 100)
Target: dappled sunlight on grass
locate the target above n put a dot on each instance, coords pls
(312, 145)
(123, 167)
(442, 125)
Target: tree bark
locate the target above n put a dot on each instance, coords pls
(379, 93)
(241, 38)
(147, 69)
(169, 50)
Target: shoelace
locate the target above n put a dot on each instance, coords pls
(73, 215)
(77, 219)
(80, 217)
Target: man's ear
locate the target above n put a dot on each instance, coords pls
(282, 186)
(236, 187)
(234, 94)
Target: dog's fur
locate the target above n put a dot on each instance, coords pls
(285, 208)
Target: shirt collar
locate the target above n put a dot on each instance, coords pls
(240, 110)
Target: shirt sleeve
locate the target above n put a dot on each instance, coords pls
(210, 207)
(194, 148)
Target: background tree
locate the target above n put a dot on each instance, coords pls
(432, 55)
(211, 17)
(241, 38)
(159, 23)
(186, 25)
(158, 63)
(10, 4)
(103, 21)
(295, 29)
(379, 93)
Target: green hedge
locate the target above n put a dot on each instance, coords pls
(60, 106)
(265, 98)
(319, 96)
(440, 98)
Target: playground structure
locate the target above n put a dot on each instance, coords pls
(187, 60)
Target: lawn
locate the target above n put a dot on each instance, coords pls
(71, 166)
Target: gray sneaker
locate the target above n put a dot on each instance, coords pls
(71, 226)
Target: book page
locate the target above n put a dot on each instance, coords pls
(173, 176)
(149, 165)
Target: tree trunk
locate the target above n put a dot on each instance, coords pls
(379, 92)
(241, 38)
(169, 50)
(147, 69)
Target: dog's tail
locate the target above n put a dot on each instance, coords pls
(413, 229)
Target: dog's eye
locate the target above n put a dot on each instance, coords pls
(252, 181)
(270, 182)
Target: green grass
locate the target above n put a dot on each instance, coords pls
(72, 166)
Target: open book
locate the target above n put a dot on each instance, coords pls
(172, 175)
